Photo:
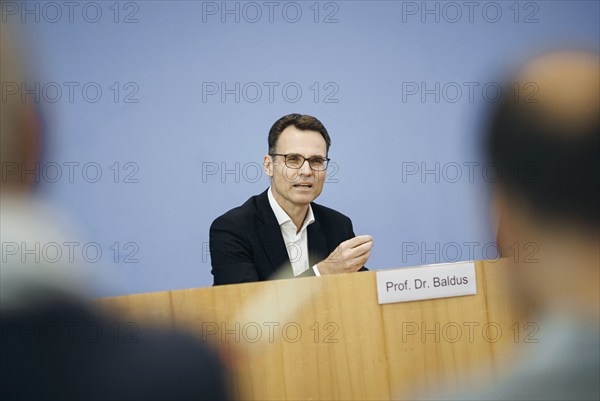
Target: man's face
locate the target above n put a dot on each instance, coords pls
(296, 187)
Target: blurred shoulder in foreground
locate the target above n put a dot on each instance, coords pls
(53, 344)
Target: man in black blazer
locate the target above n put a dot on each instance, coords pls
(282, 233)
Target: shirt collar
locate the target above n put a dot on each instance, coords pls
(282, 216)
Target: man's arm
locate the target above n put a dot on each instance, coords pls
(230, 253)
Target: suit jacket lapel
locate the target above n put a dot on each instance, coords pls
(270, 236)
(273, 244)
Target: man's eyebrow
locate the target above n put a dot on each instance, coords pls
(306, 157)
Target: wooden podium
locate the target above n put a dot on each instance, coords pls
(328, 338)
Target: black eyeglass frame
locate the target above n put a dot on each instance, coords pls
(304, 159)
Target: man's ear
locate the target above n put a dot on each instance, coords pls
(268, 165)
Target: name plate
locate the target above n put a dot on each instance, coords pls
(426, 282)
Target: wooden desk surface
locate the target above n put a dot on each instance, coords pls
(328, 338)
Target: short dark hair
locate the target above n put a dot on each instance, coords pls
(549, 162)
(301, 121)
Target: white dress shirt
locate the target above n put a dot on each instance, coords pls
(295, 243)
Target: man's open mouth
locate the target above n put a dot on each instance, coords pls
(303, 185)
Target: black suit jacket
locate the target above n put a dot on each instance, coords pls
(246, 243)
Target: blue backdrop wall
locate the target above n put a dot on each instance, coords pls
(157, 112)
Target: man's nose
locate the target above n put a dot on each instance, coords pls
(305, 168)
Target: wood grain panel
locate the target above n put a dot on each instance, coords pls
(327, 338)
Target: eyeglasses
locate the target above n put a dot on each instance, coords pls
(296, 161)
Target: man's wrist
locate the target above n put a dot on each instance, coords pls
(323, 268)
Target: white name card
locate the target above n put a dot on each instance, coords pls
(426, 282)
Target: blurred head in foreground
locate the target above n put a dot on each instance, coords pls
(53, 345)
(547, 146)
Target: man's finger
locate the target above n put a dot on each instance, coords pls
(362, 259)
(360, 250)
(357, 241)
